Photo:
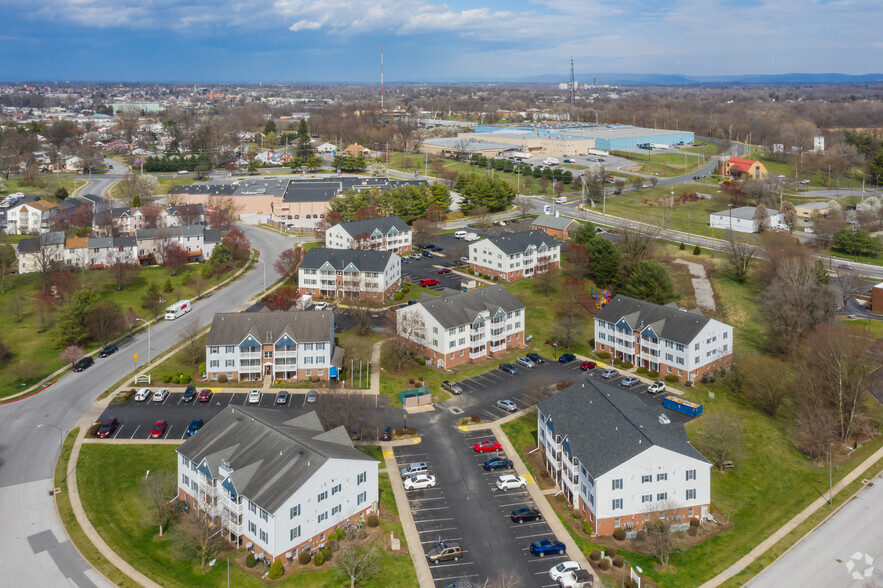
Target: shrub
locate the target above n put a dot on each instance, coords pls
(167, 378)
(671, 378)
(406, 288)
(332, 543)
(711, 508)
(604, 564)
(206, 272)
(411, 381)
(185, 379)
(693, 531)
(587, 529)
(398, 296)
(167, 287)
(475, 418)
(372, 520)
(202, 368)
(93, 430)
(603, 355)
(337, 535)
(683, 247)
(304, 557)
(697, 250)
(617, 361)
(653, 374)
(694, 522)
(592, 342)
(319, 559)
(618, 561)
(642, 370)
(326, 554)
(222, 379)
(276, 570)
(398, 432)
(610, 552)
(619, 534)
(627, 365)
(577, 515)
(314, 379)
(596, 554)
(411, 431)
(250, 561)
(629, 583)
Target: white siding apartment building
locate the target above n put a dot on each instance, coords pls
(350, 274)
(514, 256)
(389, 233)
(617, 462)
(459, 327)
(290, 345)
(742, 220)
(30, 218)
(281, 484)
(665, 339)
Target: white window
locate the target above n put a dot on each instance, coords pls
(336, 489)
(661, 477)
(617, 504)
(322, 496)
(295, 511)
(691, 494)
(323, 516)
(646, 498)
(617, 484)
(212, 350)
(363, 477)
(264, 537)
(252, 528)
(662, 496)
(295, 533)
(264, 515)
(691, 475)
(252, 507)
(645, 479)
(335, 510)
(362, 497)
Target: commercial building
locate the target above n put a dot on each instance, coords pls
(738, 167)
(389, 233)
(617, 462)
(465, 145)
(459, 327)
(665, 339)
(512, 256)
(290, 345)
(275, 484)
(742, 220)
(559, 227)
(350, 274)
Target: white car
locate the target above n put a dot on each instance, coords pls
(459, 234)
(182, 172)
(561, 569)
(419, 482)
(509, 481)
(664, 420)
(160, 395)
(254, 397)
(656, 387)
(320, 306)
(143, 394)
(471, 237)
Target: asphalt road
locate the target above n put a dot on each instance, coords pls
(35, 547)
(845, 552)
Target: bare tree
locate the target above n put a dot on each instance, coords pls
(761, 218)
(159, 489)
(362, 313)
(482, 215)
(409, 331)
(790, 214)
(526, 206)
(658, 534)
(742, 256)
(104, 321)
(767, 383)
(199, 285)
(202, 536)
(424, 230)
(175, 198)
(16, 306)
(123, 266)
(547, 281)
(720, 438)
(47, 258)
(568, 330)
(289, 261)
(356, 561)
(505, 579)
(190, 336)
(7, 259)
(849, 283)
(638, 243)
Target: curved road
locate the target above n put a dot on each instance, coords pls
(35, 548)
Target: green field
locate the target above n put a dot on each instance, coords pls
(818, 179)
(709, 149)
(662, 164)
(45, 185)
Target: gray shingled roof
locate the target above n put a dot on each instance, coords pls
(606, 427)
(383, 224)
(188, 208)
(32, 244)
(230, 328)
(212, 236)
(271, 455)
(366, 261)
(744, 212)
(100, 242)
(512, 243)
(549, 221)
(668, 322)
(453, 308)
(127, 241)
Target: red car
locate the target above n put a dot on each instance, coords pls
(444, 270)
(483, 446)
(587, 365)
(158, 429)
(428, 282)
(205, 395)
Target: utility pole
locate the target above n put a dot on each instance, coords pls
(572, 84)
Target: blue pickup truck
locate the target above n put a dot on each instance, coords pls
(541, 548)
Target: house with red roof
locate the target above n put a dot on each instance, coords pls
(738, 167)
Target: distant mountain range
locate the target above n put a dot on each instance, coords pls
(684, 80)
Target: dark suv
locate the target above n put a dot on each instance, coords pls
(445, 550)
(189, 394)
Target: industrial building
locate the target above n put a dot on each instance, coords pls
(578, 139)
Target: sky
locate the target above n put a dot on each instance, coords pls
(427, 40)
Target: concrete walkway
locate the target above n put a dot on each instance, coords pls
(701, 286)
(780, 534)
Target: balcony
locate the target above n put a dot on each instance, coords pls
(481, 352)
(498, 345)
(479, 338)
(253, 355)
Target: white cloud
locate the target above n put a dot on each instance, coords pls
(305, 25)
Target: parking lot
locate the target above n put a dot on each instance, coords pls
(465, 506)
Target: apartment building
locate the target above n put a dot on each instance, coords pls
(291, 345)
(350, 274)
(194, 239)
(30, 218)
(513, 256)
(617, 463)
(666, 339)
(389, 233)
(280, 484)
(459, 327)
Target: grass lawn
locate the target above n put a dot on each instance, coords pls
(165, 183)
(818, 179)
(663, 164)
(180, 363)
(35, 354)
(45, 186)
(112, 495)
(709, 149)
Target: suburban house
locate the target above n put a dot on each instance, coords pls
(290, 345)
(104, 251)
(350, 274)
(737, 167)
(276, 484)
(742, 220)
(389, 233)
(30, 217)
(278, 157)
(807, 209)
(665, 339)
(558, 227)
(194, 239)
(326, 148)
(356, 149)
(184, 214)
(459, 327)
(73, 163)
(513, 256)
(39, 253)
(617, 462)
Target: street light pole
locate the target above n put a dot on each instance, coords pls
(60, 447)
(148, 338)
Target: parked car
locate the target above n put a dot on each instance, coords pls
(526, 362)
(320, 306)
(507, 405)
(464, 260)
(609, 374)
(547, 546)
(107, 428)
(254, 397)
(566, 358)
(415, 468)
(629, 381)
(508, 368)
(578, 578)
(459, 234)
(312, 396)
(445, 270)
(429, 246)
(428, 282)
(509, 481)
(536, 357)
(521, 515)
(205, 395)
(387, 434)
(471, 237)
(419, 482)
(282, 397)
(561, 569)
(415, 256)
(83, 364)
(496, 463)
(160, 395)
(143, 394)
(588, 365)
(656, 387)
(426, 253)
(189, 394)
(487, 445)
(109, 350)
(445, 550)
(437, 249)
(159, 427)
(452, 387)
(195, 425)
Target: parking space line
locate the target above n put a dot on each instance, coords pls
(427, 498)
(459, 577)
(433, 520)
(433, 508)
(535, 535)
(169, 430)
(458, 563)
(448, 538)
(438, 530)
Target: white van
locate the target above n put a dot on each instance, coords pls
(561, 200)
(178, 309)
(459, 234)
